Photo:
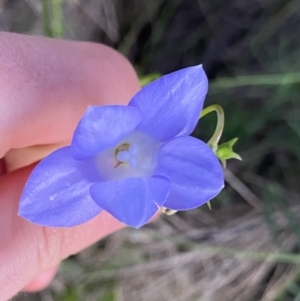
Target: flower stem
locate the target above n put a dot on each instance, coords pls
(214, 140)
(52, 18)
(57, 27)
(46, 19)
(256, 80)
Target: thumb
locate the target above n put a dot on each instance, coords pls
(46, 86)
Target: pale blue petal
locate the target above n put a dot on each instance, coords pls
(194, 171)
(102, 127)
(56, 194)
(132, 201)
(172, 104)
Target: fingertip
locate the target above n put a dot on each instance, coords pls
(46, 90)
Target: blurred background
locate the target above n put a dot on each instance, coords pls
(247, 247)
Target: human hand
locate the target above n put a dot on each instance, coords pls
(45, 87)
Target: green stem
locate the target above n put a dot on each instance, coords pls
(57, 27)
(256, 80)
(46, 18)
(52, 18)
(214, 140)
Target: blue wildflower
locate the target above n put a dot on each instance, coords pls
(129, 160)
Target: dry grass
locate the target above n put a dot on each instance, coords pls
(232, 259)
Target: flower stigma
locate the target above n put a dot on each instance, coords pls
(135, 156)
(127, 153)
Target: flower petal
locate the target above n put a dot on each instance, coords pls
(194, 171)
(132, 201)
(56, 194)
(172, 104)
(102, 127)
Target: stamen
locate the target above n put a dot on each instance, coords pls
(118, 164)
(122, 147)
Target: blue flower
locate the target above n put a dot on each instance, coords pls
(129, 160)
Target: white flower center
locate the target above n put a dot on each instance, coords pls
(135, 156)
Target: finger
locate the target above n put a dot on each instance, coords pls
(26, 249)
(45, 88)
(41, 281)
(19, 157)
(47, 84)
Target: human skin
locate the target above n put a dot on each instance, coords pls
(45, 87)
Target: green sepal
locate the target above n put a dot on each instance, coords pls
(225, 152)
